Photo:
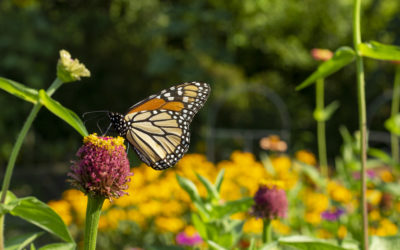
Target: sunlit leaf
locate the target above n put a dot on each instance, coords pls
(393, 124)
(19, 90)
(385, 243)
(40, 214)
(215, 245)
(380, 51)
(200, 226)
(308, 243)
(342, 57)
(11, 201)
(232, 207)
(21, 241)
(220, 178)
(65, 114)
(189, 187)
(211, 190)
(59, 246)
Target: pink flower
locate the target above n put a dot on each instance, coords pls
(370, 174)
(321, 54)
(332, 215)
(102, 167)
(270, 203)
(186, 238)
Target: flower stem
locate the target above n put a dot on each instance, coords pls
(267, 231)
(14, 153)
(362, 120)
(319, 94)
(395, 110)
(93, 211)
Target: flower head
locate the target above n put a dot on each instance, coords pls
(321, 54)
(189, 237)
(270, 202)
(333, 214)
(102, 167)
(273, 143)
(68, 69)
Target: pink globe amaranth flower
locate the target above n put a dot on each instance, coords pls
(185, 239)
(270, 203)
(321, 54)
(102, 167)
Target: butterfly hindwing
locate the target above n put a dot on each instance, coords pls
(158, 127)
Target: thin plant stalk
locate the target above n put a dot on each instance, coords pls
(267, 231)
(362, 120)
(15, 151)
(323, 162)
(395, 110)
(93, 211)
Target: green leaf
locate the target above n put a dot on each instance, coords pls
(379, 51)
(220, 178)
(312, 173)
(32, 247)
(214, 245)
(325, 114)
(19, 90)
(211, 191)
(40, 214)
(59, 246)
(385, 243)
(200, 226)
(9, 204)
(270, 246)
(342, 57)
(67, 115)
(392, 188)
(381, 155)
(21, 241)
(233, 207)
(393, 124)
(308, 243)
(189, 187)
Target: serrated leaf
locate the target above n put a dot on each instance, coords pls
(220, 178)
(308, 243)
(59, 246)
(211, 191)
(21, 241)
(393, 124)
(379, 51)
(40, 214)
(62, 112)
(233, 207)
(385, 243)
(189, 187)
(342, 57)
(19, 90)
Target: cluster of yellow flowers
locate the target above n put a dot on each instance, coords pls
(157, 201)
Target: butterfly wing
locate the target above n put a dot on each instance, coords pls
(159, 125)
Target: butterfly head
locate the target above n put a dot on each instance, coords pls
(118, 122)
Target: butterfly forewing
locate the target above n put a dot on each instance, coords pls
(158, 127)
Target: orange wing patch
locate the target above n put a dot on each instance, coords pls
(174, 106)
(149, 105)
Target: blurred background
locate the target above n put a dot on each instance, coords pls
(253, 53)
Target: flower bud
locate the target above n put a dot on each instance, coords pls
(270, 202)
(70, 70)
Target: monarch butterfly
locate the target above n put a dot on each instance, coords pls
(158, 127)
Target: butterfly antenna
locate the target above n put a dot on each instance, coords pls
(92, 112)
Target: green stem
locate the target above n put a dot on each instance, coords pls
(362, 119)
(323, 162)
(267, 231)
(395, 110)
(15, 151)
(93, 211)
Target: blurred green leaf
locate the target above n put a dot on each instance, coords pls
(19, 90)
(392, 188)
(385, 243)
(200, 226)
(59, 246)
(220, 178)
(9, 204)
(381, 155)
(212, 192)
(380, 51)
(65, 114)
(393, 124)
(270, 246)
(342, 57)
(21, 241)
(325, 114)
(232, 207)
(40, 214)
(32, 247)
(312, 173)
(215, 245)
(308, 243)
(190, 188)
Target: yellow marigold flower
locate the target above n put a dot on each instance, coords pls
(342, 232)
(63, 209)
(113, 217)
(281, 164)
(169, 224)
(339, 193)
(386, 176)
(315, 201)
(324, 234)
(385, 228)
(173, 208)
(253, 225)
(78, 202)
(313, 217)
(374, 196)
(272, 183)
(374, 215)
(135, 216)
(279, 227)
(306, 157)
(150, 208)
(397, 206)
